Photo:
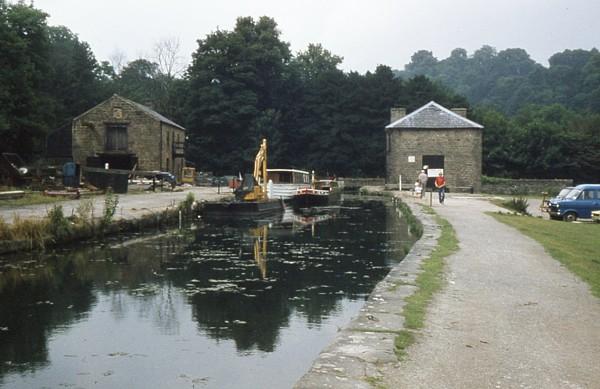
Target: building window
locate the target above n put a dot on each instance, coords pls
(116, 138)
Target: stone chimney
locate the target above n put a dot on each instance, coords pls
(460, 111)
(397, 113)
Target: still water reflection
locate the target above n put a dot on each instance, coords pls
(216, 306)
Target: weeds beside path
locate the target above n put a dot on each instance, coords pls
(428, 282)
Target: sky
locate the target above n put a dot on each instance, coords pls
(364, 33)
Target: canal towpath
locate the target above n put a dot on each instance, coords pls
(130, 205)
(510, 316)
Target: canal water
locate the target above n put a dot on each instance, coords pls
(216, 305)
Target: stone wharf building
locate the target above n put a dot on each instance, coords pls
(437, 137)
(128, 135)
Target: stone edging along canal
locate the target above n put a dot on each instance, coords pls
(359, 350)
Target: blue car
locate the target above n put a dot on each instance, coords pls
(578, 203)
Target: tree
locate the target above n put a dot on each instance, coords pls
(75, 81)
(138, 81)
(23, 65)
(236, 79)
(315, 61)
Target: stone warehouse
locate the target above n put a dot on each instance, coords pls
(127, 135)
(436, 137)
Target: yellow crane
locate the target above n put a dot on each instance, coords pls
(254, 187)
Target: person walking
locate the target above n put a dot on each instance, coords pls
(423, 182)
(440, 184)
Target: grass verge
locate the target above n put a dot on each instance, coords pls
(32, 198)
(428, 282)
(575, 245)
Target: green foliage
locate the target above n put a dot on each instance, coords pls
(414, 224)
(58, 225)
(246, 85)
(24, 49)
(541, 142)
(187, 206)
(47, 76)
(517, 204)
(84, 213)
(111, 202)
(510, 79)
(428, 282)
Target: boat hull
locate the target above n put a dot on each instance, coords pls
(315, 198)
(242, 209)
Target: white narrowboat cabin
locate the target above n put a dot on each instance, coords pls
(284, 183)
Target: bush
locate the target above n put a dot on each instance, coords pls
(519, 205)
(187, 206)
(84, 213)
(58, 225)
(111, 201)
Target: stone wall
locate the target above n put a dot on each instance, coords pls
(357, 183)
(524, 186)
(461, 148)
(147, 137)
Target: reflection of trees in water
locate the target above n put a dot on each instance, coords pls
(36, 297)
(233, 293)
(306, 274)
(47, 292)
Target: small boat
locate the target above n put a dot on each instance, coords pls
(250, 198)
(322, 193)
(241, 209)
(283, 183)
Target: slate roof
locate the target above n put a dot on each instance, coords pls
(154, 114)
(147, 110)
(433, 115)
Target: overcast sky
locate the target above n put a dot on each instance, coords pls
(364, 33)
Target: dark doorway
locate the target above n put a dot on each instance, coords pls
(116, 138)
(433, 162)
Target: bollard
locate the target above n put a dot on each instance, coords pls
(431, 198)
(180, 219)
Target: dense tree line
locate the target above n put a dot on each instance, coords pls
(540, 122)
(246, 84)
(242, 85)
(509, 79)
(548, 141)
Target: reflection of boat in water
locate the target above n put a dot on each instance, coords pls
(259, 252)
(294, 221)
(251, 198)
(321, 193)
(283, 183)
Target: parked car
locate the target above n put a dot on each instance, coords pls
(580, 202)
(545, 206)
(596, 216)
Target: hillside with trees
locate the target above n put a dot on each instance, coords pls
(540, 121)
(509, 79)
(246, 84)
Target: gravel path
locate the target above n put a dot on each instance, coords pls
(130, 206)
(510, 316)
